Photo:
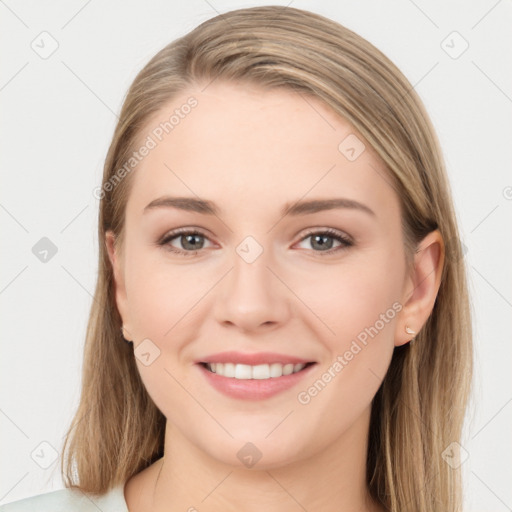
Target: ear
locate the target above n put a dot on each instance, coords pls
(119, 284)
(421, 287)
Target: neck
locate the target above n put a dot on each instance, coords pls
(187, 478)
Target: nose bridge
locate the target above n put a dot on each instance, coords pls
(250, 294)
(250, 275)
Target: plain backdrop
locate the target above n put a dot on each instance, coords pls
(65, 69)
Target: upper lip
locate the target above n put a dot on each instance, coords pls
(253, 359)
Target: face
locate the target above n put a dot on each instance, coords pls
(283, 253)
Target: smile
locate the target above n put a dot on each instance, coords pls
(260, 371)
(254, 376)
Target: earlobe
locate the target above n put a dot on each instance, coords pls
(421, 287)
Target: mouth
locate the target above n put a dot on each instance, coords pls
(253, 376)
(255, 372)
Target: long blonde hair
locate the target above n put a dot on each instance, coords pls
(419, 409)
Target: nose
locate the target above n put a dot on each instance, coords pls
(251, 298)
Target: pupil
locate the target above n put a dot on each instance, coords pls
(323, 241)
(189, 240)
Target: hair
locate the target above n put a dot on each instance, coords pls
(419, 409)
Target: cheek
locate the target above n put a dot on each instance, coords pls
(362, 309)
(160, 293)
(345, 298)
(359, 302)
(161, 298)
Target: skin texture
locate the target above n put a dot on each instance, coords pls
(251, 151)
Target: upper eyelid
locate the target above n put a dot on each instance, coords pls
(172, 235)
(329, 231)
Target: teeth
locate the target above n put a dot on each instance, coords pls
(243, 371)
(276, 370)
(288, 369)
(229, 369)
(260, 371)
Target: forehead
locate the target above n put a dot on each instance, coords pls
(248, 147)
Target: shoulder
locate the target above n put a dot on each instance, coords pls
(70, 500)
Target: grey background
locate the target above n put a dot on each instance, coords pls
(58, 115)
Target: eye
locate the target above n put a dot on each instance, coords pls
(324, 241)
(184, 241)
(187, 242)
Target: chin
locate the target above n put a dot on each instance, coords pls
(256, 452)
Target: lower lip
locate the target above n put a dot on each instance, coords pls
(253, 389)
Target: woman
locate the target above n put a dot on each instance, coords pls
(277, 323)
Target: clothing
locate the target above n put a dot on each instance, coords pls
(70, 500)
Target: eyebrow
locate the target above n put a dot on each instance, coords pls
(304, 207)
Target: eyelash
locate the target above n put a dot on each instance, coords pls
(345, 241)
